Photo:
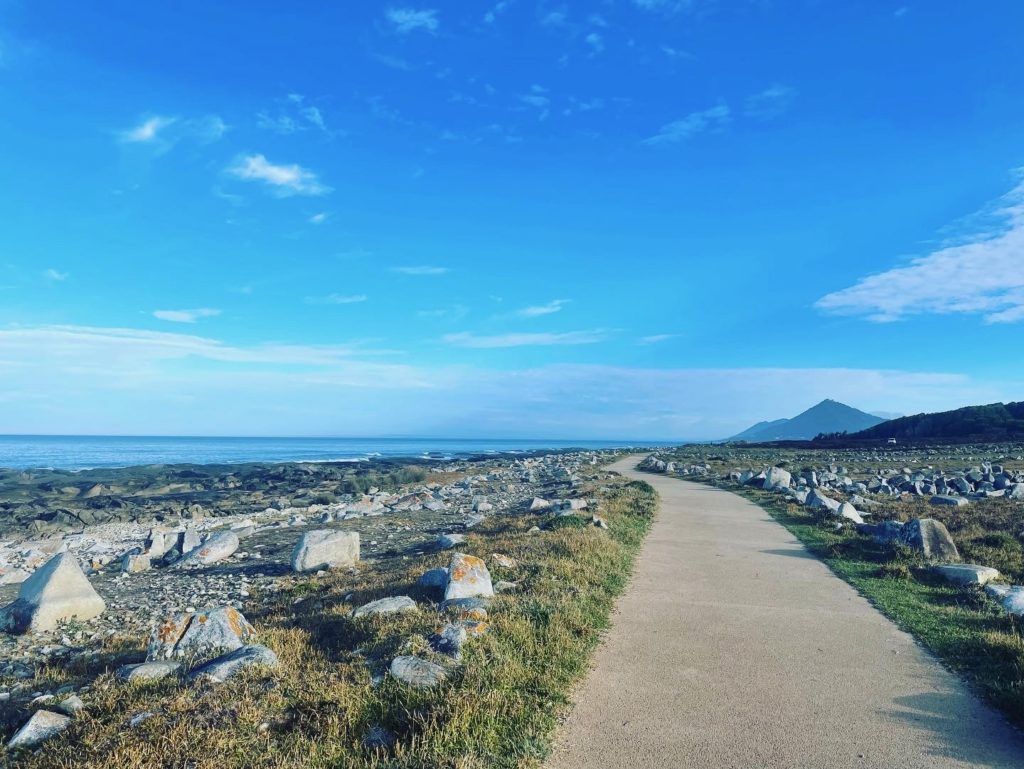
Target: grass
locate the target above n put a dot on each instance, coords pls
(962, 627)
(498, 708)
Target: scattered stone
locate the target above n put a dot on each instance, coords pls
(200, 635)
(148, 671)
(503, 586)
(449, 640)
(377, 737)
(71, 705)
(947, 501)
(140, 718)
(503, 561)
(433, 579)
(448, 541)
(133, 563)
(216, 548)
(929, 537)
(467, 577)
(776, 479)
(325, 549)
(392, 605)
(849, 512)
(599, 522)
(538, 504)
(417, 672)
(56, 591)
(42, 726)
(966, 574)
(229, 665)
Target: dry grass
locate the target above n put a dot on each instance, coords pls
(498, 708)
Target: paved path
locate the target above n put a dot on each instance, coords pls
(733, 647)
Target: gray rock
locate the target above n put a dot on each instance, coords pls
(818, 501)
(776, 479)
(200, 635)
(930, 538)
(466, 608)
(216, 548)
(1011, 598)
(849, 512)
(966, 574)
(71, 705)
(133, 563)
(42, 726)
(433, 579)
(467, 577)
(148, 671)
(325, 549)
(539, 504)
(448, 541)
(449, 640)
(947, 501)
(417, 672)
(57, 591)
(229, 665)
(392, 605)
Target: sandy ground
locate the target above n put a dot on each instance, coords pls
(733, 647)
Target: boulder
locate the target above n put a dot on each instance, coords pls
(1010, 598)
(467, 577)
(776, 479)
(849, 512)
(433, 579)
(449, 640)
(133, 563)
(392, 605)
(818, 501)
(539, 504)
(966, 574)
(231, 664)
(325, 549)
(200, 635)
(42, 726)
(216, 548)
(57, 591)
(417, 672)
(930, 538)
(1016, 491)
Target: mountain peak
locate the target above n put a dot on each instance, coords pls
(829, 416)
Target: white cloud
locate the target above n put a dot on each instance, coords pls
(656, 338)
(980, 274)
(499, 8)
(423, 269)
(52, 274)
(148, 130)
(185, 316)
(554, 18)
(691, 125)
(771, 102)
(595, 41)
(337, 299)
(108, 380)
(291, 115)
(286, 180)
(466, 339)
(536, 311)
(319, 218)
(407, 20)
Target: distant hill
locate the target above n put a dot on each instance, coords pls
(996, 421)
(829, 416)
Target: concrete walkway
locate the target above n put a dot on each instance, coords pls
(733, 647)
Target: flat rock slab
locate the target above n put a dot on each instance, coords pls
(393, 605)
(42, 726)
(417, 672)
(215, 549)
(734, 648)
(148, 671)
(943, 500)
(965, 573)
(229, 665)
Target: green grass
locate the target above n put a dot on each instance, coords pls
(499, 707)
(962, 627)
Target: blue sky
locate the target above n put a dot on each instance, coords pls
(632, 218)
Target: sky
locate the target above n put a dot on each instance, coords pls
(660, 219)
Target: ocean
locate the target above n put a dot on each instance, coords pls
(71, 452)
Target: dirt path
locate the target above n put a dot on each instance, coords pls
(733, 647)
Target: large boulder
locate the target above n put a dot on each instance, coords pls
(849, 512)
(467, 577)
(216, 548)
(818, 501)
(930, 538)
(200, 635)
(775, 478)
(966, 574)
(325, 549)
(57, 591)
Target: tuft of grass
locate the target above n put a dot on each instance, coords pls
(498, 708)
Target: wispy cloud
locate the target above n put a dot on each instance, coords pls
(422, 269)
(771, 102)
(596, 42)
(163, 132)
(980, 273)
(538, 310)
(901, 11)
(693, 124)
(148, 130)
(337, 299)
(407, 20)
(454, 312)
(285, 180)
(319, 218)
(56, 275)
(292, 114)
(499, 8)
(467, 339)
(185, 316)
(656, 338)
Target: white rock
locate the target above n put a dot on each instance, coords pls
(392, 605)
(467, 577)
(216, 548)
(56, 591)
(40, 727)
(966, 574)
(325, 549)
(229, 665)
